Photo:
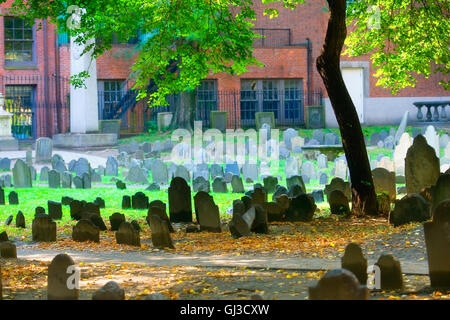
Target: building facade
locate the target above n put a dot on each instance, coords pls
(35, 68)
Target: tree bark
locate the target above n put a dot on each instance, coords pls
(328, 64)
(184, 112)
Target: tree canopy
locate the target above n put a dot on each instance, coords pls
(211, 36)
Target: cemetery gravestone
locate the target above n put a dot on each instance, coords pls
(421, 166)
(127, 234)
(339, 284)
(180, 206)
(160, 232)
(58, 277)
(207, 212)
(44, 150)
(22, 175)
(354, 261)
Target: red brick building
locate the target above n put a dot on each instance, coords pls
(35, 66)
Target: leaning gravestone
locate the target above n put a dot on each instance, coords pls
(391, 273)
(437, 239)
(339, 284)
(43, 229)
(354, 261)
(22, 175)
(128, 235)
(58, 279)
(44, 150)
(421, 166)
(207, 212)
(160, 232)
(126, 202)
(180, 205)
(411, 208)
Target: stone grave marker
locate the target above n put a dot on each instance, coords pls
(207, 212)
(180, 206)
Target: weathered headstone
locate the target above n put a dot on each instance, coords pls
(219, 185)
(411, 208)
(112, 167)
(43, 229)
(127, 234)
(13, 198)
(207, 212)
(116, 220)
(54, 210)
(339, 284)
(301, 208)
(85, 230)
(384, 182)
(160, 232)
(338, 203)
(20, 220)
(354, 261)
(437, 239)
(139, 201)
(391, 273)
(22, 175)
(44, 150)
(54, 179)
(180, 205)
(58, 279)
(110, 291)
(8, 250)
(237, 185)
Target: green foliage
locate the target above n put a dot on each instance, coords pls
(405, 39)
(212, 36)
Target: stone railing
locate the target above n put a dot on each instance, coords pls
(434, 111)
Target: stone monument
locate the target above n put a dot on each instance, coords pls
(7, 141)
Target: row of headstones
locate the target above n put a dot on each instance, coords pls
(60, 275)
(13, 197)
(350, 282)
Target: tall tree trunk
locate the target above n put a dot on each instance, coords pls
(184, 112)
(328, 65)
